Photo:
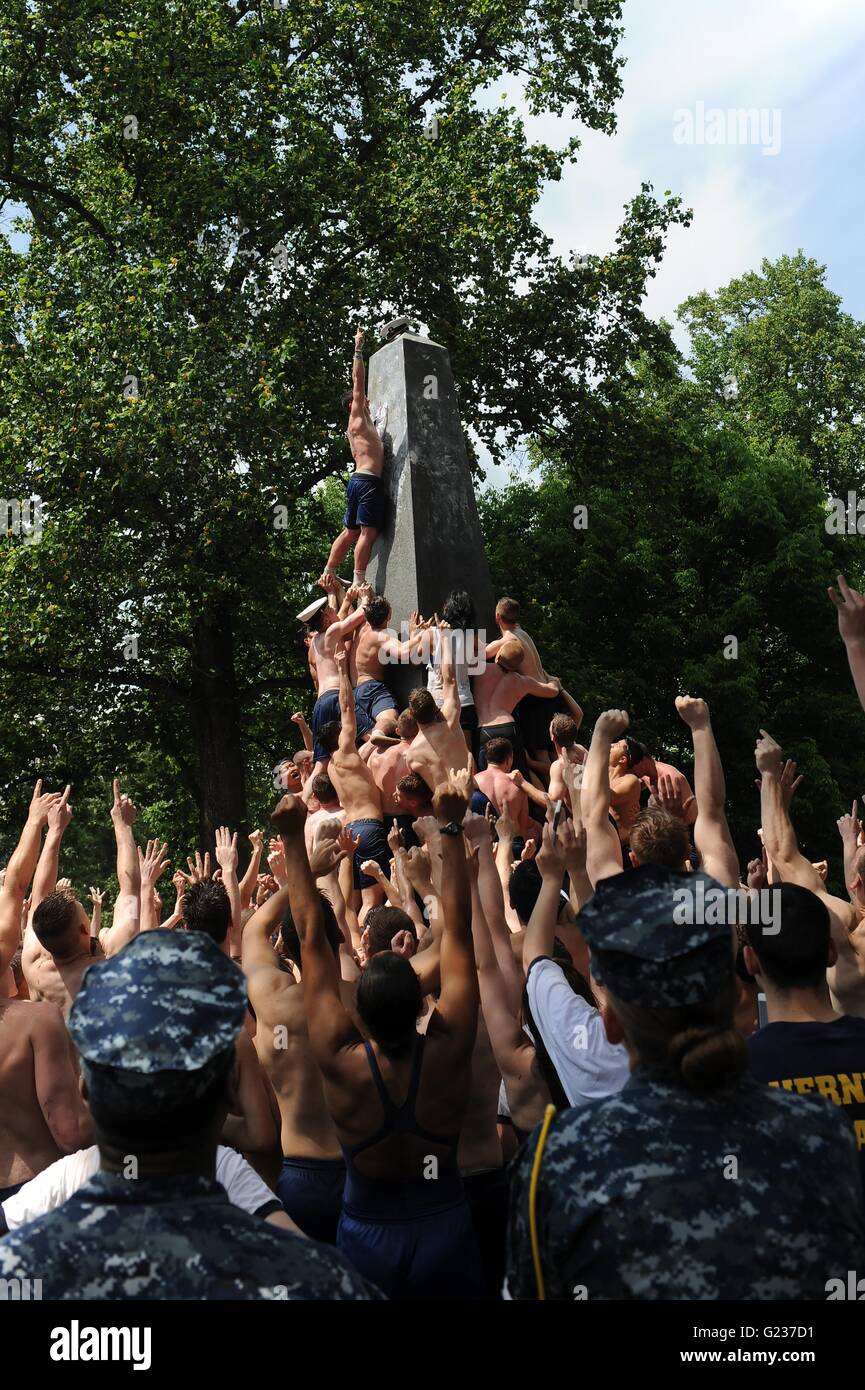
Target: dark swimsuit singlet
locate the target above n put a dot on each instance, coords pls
(391, 1197)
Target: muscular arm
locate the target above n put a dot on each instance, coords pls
(711, 832)
(450, 694)
(342, 628)
(603, 849)
(250, 1127)
(459, 996)
(19, 872)
(65, 1113)
(847, 977)
(347, 714)
(250, 878)
(503, 1025)
(124, 923)
(850, 606)
(541, 930)
(45, 878)
(330, 1024)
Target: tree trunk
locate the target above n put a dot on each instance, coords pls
(217, 732)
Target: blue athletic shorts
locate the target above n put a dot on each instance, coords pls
(366, 502)
(431, 1256)
(310, 1190)
(373, 845)
(324, 711)
(370, 699)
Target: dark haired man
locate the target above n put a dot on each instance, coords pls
(440, 743)
(58, 949)
(563, 736)
(498, 690)
(156, 1028)
(533, 712)
(374, 647)
(365, 511)
(358, 794)
(331, 628)
(507, 793)
(313, 1171)
(807, 1046)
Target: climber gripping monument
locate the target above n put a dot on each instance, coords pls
(365, 512)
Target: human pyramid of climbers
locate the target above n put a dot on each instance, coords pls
(480, 1020)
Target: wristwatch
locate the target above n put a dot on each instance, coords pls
(452, 828)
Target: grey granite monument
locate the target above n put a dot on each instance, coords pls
(432, 540)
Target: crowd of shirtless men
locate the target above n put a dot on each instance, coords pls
(428, 973)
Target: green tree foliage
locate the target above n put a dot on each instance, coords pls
(210, 196)
(706, 521)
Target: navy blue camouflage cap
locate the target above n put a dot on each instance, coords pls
(160, 1017)
(648, 946)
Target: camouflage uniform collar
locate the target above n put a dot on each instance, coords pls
(116, 1189)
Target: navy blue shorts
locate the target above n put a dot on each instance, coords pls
(324, 711)
(373, 845)
(310, 1190)
(430, 1256)
(370, 699)
(366, 502)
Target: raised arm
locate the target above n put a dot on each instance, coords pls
(459, 997)
(500, 1015)
(711, 832)
(151, 866)
(250, 878)
(603, 848)
(45, 878)
(226, 858)
(19, 872)
(450, 694)
(124, 924)
(66, 1115)
(851, 625)
(541, 931)
(358, 376)
(304, 730)
(330, 1024)
(847, 977)
(347, 712)
(479, 834)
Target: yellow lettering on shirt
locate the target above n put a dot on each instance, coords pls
(852, 1088)
(803, 1084)
(827, 1087)
(859, 1131)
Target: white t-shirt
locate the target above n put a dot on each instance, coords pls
(461, 671)
(589, 1066)
(51, 1188)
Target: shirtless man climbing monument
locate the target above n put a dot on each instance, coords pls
(440, 743)
(364, 514)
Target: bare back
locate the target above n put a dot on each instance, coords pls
(364, 658)
(387, 768)
(27, 1144)
(440, 1106)
(436, 750)
(358, 794)
(282, 1045)
(55, 981)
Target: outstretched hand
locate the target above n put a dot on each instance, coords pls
(226, 849)
(851, 612)
(768, 754)
(123, 811)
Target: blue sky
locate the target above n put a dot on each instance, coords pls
(802, 58)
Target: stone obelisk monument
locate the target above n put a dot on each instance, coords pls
(432, 540)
